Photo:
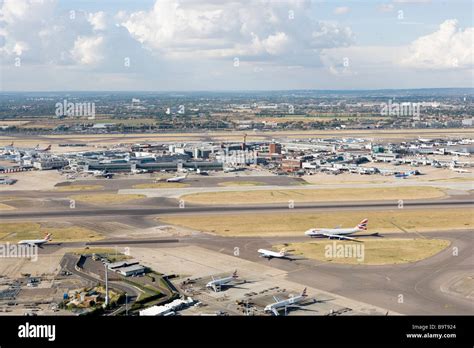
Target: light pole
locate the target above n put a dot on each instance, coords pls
(126, 304)
(106, 286)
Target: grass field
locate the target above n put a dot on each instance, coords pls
(163, 184)
(106, 198)
(314, 195)
(291, 224)
(241, 183)
(6, 207)
(370, 252)
(67, 188)
(14, 232)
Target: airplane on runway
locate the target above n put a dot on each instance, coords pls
(216, 284)
(37, 242)
(341, 233)
(177, 178)
(285, 304)
(273, 254)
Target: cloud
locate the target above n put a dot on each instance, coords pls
(341, 10)
(97, 20)
(449, 47)
(256, 30)
(87, 50)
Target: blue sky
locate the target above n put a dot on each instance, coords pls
(234, 45)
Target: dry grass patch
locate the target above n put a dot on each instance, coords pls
(314, 195)
(6, 207)
(371, 252)
(67, 188)
(106, 198)
(14, 232)
(291, 224)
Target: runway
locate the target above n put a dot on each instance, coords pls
(189, 209)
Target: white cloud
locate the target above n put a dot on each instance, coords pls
(87, 50)
(341, 10)
(97, 20)
(447, 48)
(250, 30)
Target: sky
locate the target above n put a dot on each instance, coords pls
(196, 45)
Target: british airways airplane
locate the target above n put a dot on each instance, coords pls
(339, 233)
(284, 304)
(37, 242)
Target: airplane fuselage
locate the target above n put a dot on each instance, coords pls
(219, 282)
(331, 231)
(284, 303)
(270, 253)
(32, 242)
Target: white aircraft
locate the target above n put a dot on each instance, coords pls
(216, 284)
(285, 304)
(177, 178)
(341, 233)
(458, 170)
(458, 153)
(99, 173)
(273, 254)
(37, 242)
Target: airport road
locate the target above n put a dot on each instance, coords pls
(229, 209)
(68, 263)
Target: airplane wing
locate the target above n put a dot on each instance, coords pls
(275, 312)
(276, 299)
(214, 287)
(339, 236)
(294, 307)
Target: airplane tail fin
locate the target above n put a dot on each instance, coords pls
(48, 236)
(234, 275)
(283, 252)
(304, 293)
(363, 224)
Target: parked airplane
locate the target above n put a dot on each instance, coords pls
(459, 153)
(100, 173)
(273, 254)
(177, 178)
(37, 242)
(42, 150)
(216, 284)
(285, 304)
(406, 174)
(340, 233)
(458, 170)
